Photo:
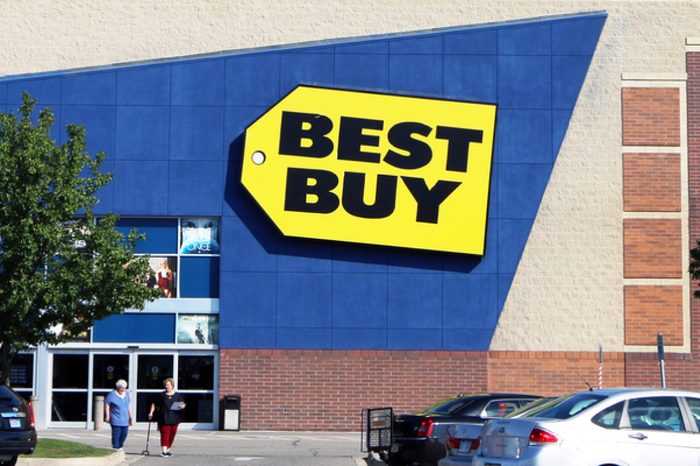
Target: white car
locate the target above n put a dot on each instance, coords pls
(463, 439)
(610, 427)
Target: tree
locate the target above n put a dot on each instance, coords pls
(61, 266)
(695, 265)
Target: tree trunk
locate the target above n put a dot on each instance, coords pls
(6, 356)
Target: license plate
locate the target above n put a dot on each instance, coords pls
(14, 424)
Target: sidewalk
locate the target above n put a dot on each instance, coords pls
(211, 447)
(99, 439)
(115, 459)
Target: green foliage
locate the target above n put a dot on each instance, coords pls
(53, 448)
(695, 265)
(60, 266)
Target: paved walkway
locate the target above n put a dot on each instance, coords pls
(136, 444)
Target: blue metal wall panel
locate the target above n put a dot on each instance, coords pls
(161, 234)
(196, 188)
(253, 295)
(471, 77)
(141, 188)
(174, 135)
(99, 122)
(146, 85)
(304, 300)
(143, 132)
(199, 277)
(519, 136)
(416, 74)
(428, 45)
(89, 88)
(531, 39)
(47, 91)
(199, 83)
(252, 80)
(364, 71)
(196, 133)
(359, 300)
(135, 328)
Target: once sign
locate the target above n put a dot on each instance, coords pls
(374, 168)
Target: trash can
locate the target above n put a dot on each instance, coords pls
(231, 412)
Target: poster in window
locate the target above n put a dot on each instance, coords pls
(163, 275)
(199, 236)
(201, 329)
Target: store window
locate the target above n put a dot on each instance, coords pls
(196, 383)
(184, 254)
(194, 379)
(22, 374)
(201, 329)
(70, 382)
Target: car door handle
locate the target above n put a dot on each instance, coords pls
(638, 436)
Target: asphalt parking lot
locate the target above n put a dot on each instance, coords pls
(208, 448)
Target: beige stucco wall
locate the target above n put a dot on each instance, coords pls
(567, 293)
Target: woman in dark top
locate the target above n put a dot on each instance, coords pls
(168, 408)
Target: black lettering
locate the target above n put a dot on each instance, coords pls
(458, 140)
(429, 200)
(353, 196)
(293, 132)
(419, 153)
(302, 196)
(351, 139)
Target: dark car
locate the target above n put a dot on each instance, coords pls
(17, 432)
(420, 438)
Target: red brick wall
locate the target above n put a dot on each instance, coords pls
(682, 370)
(652, 248)
(327, 390)
(652, 182)
(552, 373)
(643, 370)
(650, 116)
(653, 309)
(693, 112)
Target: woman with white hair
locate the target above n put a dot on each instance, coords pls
(118, 414)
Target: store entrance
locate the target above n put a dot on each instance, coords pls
(77, 377)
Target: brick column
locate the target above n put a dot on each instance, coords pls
(657, 172)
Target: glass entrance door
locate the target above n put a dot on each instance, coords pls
(153, 369)
(106, 370)
(77, 377)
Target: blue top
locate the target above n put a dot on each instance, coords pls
(118, 408)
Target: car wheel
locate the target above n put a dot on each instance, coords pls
(10, 462)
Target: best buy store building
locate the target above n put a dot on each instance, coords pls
(376, 204)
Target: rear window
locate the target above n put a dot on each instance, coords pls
(566, 406)
(6, 393)
(447, 407)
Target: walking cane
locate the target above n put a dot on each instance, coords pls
(148, 437)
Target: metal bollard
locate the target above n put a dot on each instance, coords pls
(99, 410)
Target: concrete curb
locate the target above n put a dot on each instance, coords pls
(109, 460)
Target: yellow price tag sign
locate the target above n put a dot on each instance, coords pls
(374, 168)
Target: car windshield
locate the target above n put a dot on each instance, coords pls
(446, 407)
(566, 406)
